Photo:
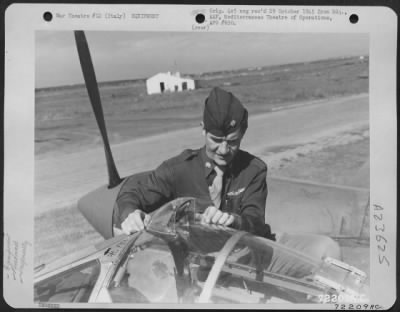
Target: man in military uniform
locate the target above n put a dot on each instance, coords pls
(229, 184)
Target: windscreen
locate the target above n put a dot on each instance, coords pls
(146, 275)
(177, 257)
(258, 270)
(163, 268)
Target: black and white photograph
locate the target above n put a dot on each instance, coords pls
(243, 135)
(204, 167)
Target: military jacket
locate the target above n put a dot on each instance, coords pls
(190, 174)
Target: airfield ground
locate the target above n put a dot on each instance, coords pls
(314, 120)
(67, 225)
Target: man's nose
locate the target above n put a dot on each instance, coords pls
(223, 148)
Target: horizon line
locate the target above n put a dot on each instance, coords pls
(104, 82)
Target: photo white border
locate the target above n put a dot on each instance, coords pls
(21, 22)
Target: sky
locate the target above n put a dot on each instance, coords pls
(123, 55)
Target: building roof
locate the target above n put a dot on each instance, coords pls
(169, 74)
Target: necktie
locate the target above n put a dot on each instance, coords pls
(216, 187)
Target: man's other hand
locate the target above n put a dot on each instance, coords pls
(136, 221)
(215, 216)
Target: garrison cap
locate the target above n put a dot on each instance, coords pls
(223, 113)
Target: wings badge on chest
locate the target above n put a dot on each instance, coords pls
(236, 193)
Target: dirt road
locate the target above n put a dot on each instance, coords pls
(60, 181)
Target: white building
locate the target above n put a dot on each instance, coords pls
(168, 82)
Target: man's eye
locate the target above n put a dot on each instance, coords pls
(233, 142)
(217, 140)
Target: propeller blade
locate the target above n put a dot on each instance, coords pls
(94, 95)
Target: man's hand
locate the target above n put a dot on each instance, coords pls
(136, 221)
(215, 216)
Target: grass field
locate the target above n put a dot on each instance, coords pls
(64, 121)
(340, 160)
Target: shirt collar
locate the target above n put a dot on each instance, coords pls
(209, 164)
(206, 162)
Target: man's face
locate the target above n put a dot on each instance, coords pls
(222, 150)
